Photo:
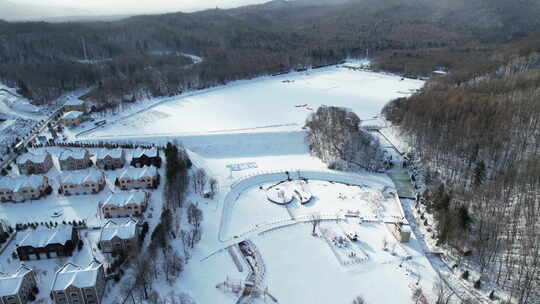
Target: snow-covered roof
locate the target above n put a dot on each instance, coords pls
(153, 152)
(113, 229)
(43, 236)
(82, 176)
(77, 276)
(122, 199)
(11, 283)
(136, 173)
(74, 102)
(72, 114)
(35, 158)
(114, 153)
(77, 154)
(20, 182)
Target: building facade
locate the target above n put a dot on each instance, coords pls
(75, 284)
(82, 182)
(75, 160)
(19, 287)
(125, 204)
(21, 188)
(110, 159)
(138, 178)
(34, 164)
(72, 118)
(148, 157)
(45, 243)
(119, 237)
(75, 105)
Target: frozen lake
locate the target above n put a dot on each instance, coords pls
(266, 103)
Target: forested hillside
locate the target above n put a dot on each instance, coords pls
(140, 56)
(480, 142)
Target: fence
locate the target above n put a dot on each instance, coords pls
(243, 183)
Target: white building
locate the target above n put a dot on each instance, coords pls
(119, 236)
(21, 188)
(17, 288)
(138, 178)
(89, 181)
(74, 284)
(125, 204)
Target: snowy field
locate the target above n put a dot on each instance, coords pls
(255, 127)
(259, 122)
(265, 103)
(303, 269)
(252, 209)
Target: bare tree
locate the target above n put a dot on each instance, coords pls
(143, 274)
(195, 215)
(443, 294)
(315, 222)
(200, 180)
(418, 296)
(359, 300)
(213, 183)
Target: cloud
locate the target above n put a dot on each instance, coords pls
(32, 9)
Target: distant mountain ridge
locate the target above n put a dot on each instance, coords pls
(411, 37)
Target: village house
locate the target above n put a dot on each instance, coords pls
(146, 157)
(89, 181)
(46, 243)
(72, 118)
(125, 204)
(74, 284)
(75, 160)
(29, 163)
(138, 178)
(119, 236)
(21, 188)
(75, 105)
(19, 287)
(110, 159)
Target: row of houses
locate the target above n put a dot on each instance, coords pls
(107, 159)
(47, 243)
(91, 181)
(73, 284)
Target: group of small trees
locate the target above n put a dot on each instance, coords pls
(51, 224)
(162, 259)
(203, 184)
(335, 136)
(100, 144)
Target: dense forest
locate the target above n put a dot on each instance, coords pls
(480, 143)
(142, 56)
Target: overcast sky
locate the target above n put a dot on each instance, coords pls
(44, 9)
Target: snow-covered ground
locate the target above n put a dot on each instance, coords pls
(17, 117)
(259, 122)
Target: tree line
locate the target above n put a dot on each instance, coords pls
(140, 57)
(479, 141)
